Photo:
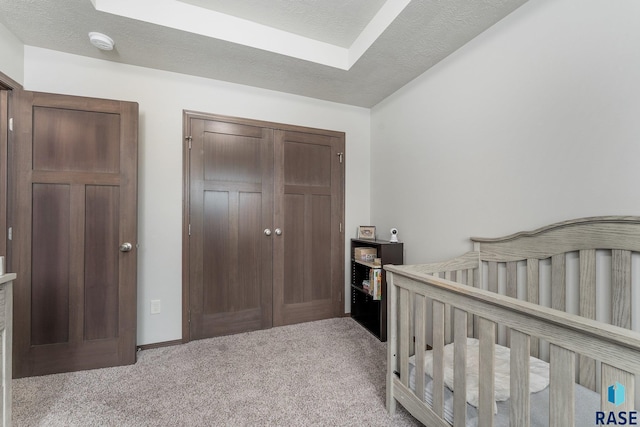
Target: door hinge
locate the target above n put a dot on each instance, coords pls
(188, 139)
(340, 155)
(189, 229)
(10, 233)
(11, 124)
(341, 227)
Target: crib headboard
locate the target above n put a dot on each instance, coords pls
(583, 237)
(574, 266)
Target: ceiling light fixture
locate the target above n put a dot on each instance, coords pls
(101, 41)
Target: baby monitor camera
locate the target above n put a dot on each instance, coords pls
(394, 235)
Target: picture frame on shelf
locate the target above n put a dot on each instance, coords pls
(367, 232)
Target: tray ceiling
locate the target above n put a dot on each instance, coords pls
(355, 52)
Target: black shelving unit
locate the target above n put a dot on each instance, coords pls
(369, 312)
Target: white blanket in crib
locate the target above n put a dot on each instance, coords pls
(538, 371)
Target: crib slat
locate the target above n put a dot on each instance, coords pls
(392, 365)
(448, 313)
(487, 337)
(512, 279)
(493, 276)
(621, 288)
(611, 376)
(519, 380)
(558, 282)
(587, 372)
(533, 294)
(460, 371)
(492, 279)
(403, 345)
(421, 344)
(438, 358)
(588, 283)
(533, 280)
(412, 327)
(562, 365)
(471, 281)
(512, 288)
(430, 308)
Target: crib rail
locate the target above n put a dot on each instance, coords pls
(603, 249)
(410, 288)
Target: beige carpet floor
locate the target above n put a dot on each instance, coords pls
(325, 373)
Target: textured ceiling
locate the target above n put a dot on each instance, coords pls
(423, 34)
(337, 22)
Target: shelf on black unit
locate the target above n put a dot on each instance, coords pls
(369, 312)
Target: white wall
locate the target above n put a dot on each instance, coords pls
(11, 55)
(162, 96)
(537, 120)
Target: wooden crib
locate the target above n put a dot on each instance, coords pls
(538, 294)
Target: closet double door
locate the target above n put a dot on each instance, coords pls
(264, 213)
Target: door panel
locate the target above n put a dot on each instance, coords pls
(232, 158)
(237, 280)
(91, 140)
(249, 228)
(101, 262)
(294, 238)
(50, 273)
(307, 247)
(216, 236)
(231, 203)
(75, 202)
(320, 229)
(307, 164)
(307, 256)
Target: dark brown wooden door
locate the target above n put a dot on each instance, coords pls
(4, 119)
(75, 203)
(231, 204)
(246, 178)
(308, 254)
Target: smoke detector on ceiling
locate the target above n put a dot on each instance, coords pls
(101, 41)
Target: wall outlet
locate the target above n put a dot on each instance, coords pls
(155, 306)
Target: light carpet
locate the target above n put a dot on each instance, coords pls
(325, 373)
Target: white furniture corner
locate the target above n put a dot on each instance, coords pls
(6, 335)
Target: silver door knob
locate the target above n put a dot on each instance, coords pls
(278, 232)
(267, 232)
(126, 247)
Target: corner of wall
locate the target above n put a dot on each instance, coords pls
(11, 55)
